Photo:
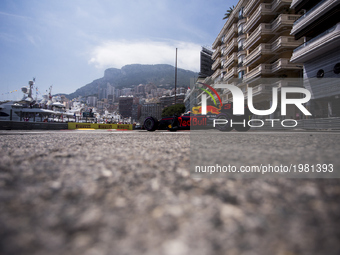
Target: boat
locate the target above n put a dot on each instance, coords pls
(14, 111)
(26, 109)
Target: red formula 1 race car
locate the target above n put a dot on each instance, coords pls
(220, 118)
(174, 123)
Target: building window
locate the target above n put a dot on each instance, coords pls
(320, 73)
(240, 13)
(240, 61)
(3, 114)
(222, 63)
(337, 68)
(222, 39)
(240, 74)
(240, 44)
(240, 29)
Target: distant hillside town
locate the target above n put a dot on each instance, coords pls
(114, 94)
(135, 103)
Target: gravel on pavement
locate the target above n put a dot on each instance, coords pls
(131, 193)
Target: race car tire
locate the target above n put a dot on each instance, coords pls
(241, 128)
(150, 124)
(224, 127)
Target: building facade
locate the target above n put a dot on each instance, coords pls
(320, 53)
(152, 109)
(206, 62)
(254, 45)
(167, 101)
(125, 106)
(136, 112)
(91, 101)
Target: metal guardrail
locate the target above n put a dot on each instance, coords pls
(309, 11)
(315, 38)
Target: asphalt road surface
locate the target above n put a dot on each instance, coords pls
(100, 192)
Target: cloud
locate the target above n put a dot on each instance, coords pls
(119, 53)
(33, 39)
(14, 15)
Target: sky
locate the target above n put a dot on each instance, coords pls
(69, 43)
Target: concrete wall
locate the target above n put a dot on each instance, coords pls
(23, 125)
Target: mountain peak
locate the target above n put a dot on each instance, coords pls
(111, 72)
(135, 74)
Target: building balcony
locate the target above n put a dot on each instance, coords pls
(216, 53)
(261, 33)
(284, 64)
(217, 42)
(208, 80)
(293, 82)
(240, 37)
(241, 52)
(240, 68)
(285, 42)
(262, 90)
(261, 69)
(232, 46)
(264, 49)
(284, 22)
(327, 41)
(250, 7)
(280, 84)
(265, 30)
(231, 74)
(232, 32)
(216, 64)
(295, 3)
(231, 60)
(262, 14)
(313, 15)
(220, 78)
(242, 86)
(277, 4)
(265, 90)
(226, 92)
(241, 21)
(216, 74)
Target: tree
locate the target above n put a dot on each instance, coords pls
(172, 110)
(229, 12)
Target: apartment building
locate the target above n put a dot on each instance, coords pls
(92, 101)
(125, 106)
(320, 53)
(136, 112)
(205, 62)
(255, 43)
(167, 101)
